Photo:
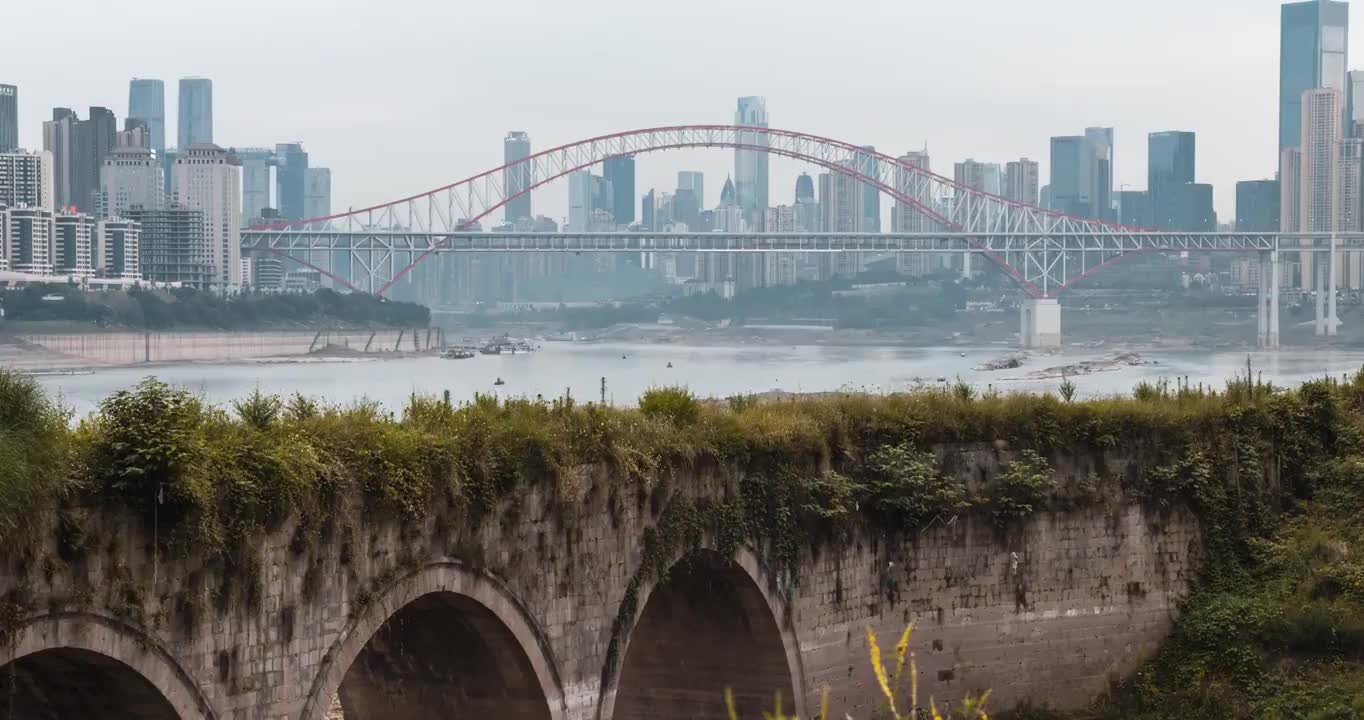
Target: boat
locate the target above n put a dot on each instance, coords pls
(457, 354)
(670, 364)
(500, 381)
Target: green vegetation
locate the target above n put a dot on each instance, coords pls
(188, 308)
(1276, 478)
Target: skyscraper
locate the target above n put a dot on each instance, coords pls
(646, 212)
(206, 178)
(9, 118)
(1020, 181)
(869, 166)
(195, 121)
(92, 141)
(695, 181)
(130, 176)
(516, 146)
(620, 172)
(291, 181)
(1354, 104)
(1313, 42)
(1257, 206)
(1170, 166)
(147, 102)
(317, 193)
(1319, 188)
(807, 204)
(59, 139)
(750, 166)
(1100, 147)
(1071, 173)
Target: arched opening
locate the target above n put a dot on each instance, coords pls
(442, 655)
(75, 684)
(706, 628)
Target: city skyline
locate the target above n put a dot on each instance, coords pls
(959, 117)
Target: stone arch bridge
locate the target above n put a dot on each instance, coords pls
(543, 611)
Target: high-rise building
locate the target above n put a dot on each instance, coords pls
(131, 176)
(207, 178)
(1350, 271)
(9, 118)
(1319, 188)
(73, 245)
(1257, 206)
(516, 146)
(291, 181)
(977, 175)
(117, 248)
(1071, 175)
(750, 165)
(147, 102)
(869, 166)
(174, 246)
(695, 181)
(1171, 166)
(1354, 110)
(807, 204)
(647, 219)
(581, 186)
(1134, 208)
(93, 141)
(1290, 189)
(317, 193)
(26, 179)
(1321, 120)
(728, 195)
(841, 204)
(28, 234)
(59, 139)
(1020, 181)
(255, 164)
(1313, 46)
(195, 121)
(1100, 142)
(620, 172)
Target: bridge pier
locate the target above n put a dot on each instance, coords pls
(1267, 302)
(1040, 323)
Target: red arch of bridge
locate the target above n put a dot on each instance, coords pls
(919, 207)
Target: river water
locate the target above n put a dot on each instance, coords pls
(708, 371)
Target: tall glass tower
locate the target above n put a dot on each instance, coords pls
(750, 166)
(147, 102)
(196, 112)
(9, 118)
(1313, 38)
(516, 146)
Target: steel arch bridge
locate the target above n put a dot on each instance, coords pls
(1032, 245)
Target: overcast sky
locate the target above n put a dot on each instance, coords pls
(398, 96)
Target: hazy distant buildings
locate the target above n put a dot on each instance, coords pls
(317, 193)
(869, 167)
(1313, 47)
(620, 172)
(1081, 180)
(515, 147)
(908, 217)
(1021, 181)
(750, 166)
(1290, 189)
(1257, 206)
(195, 121)
(26, 180)
(73, 245)
(9, 118)
(985, 177)
(1134, 208)
(1100, 147)
(147, 102)
(78, 150)
(694, 181)
(206, 178)
(59, 139)
(647, 218)
(807, 204)
(1319, 187)
(291, 181)
(590, 201)
(1171, 167)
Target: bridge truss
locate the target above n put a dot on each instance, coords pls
(1043, 250)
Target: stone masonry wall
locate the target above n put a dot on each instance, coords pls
(1049, 612)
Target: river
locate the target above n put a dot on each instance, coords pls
(708, 371)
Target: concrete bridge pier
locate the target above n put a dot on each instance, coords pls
(1267, 301)
(1040, 323)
